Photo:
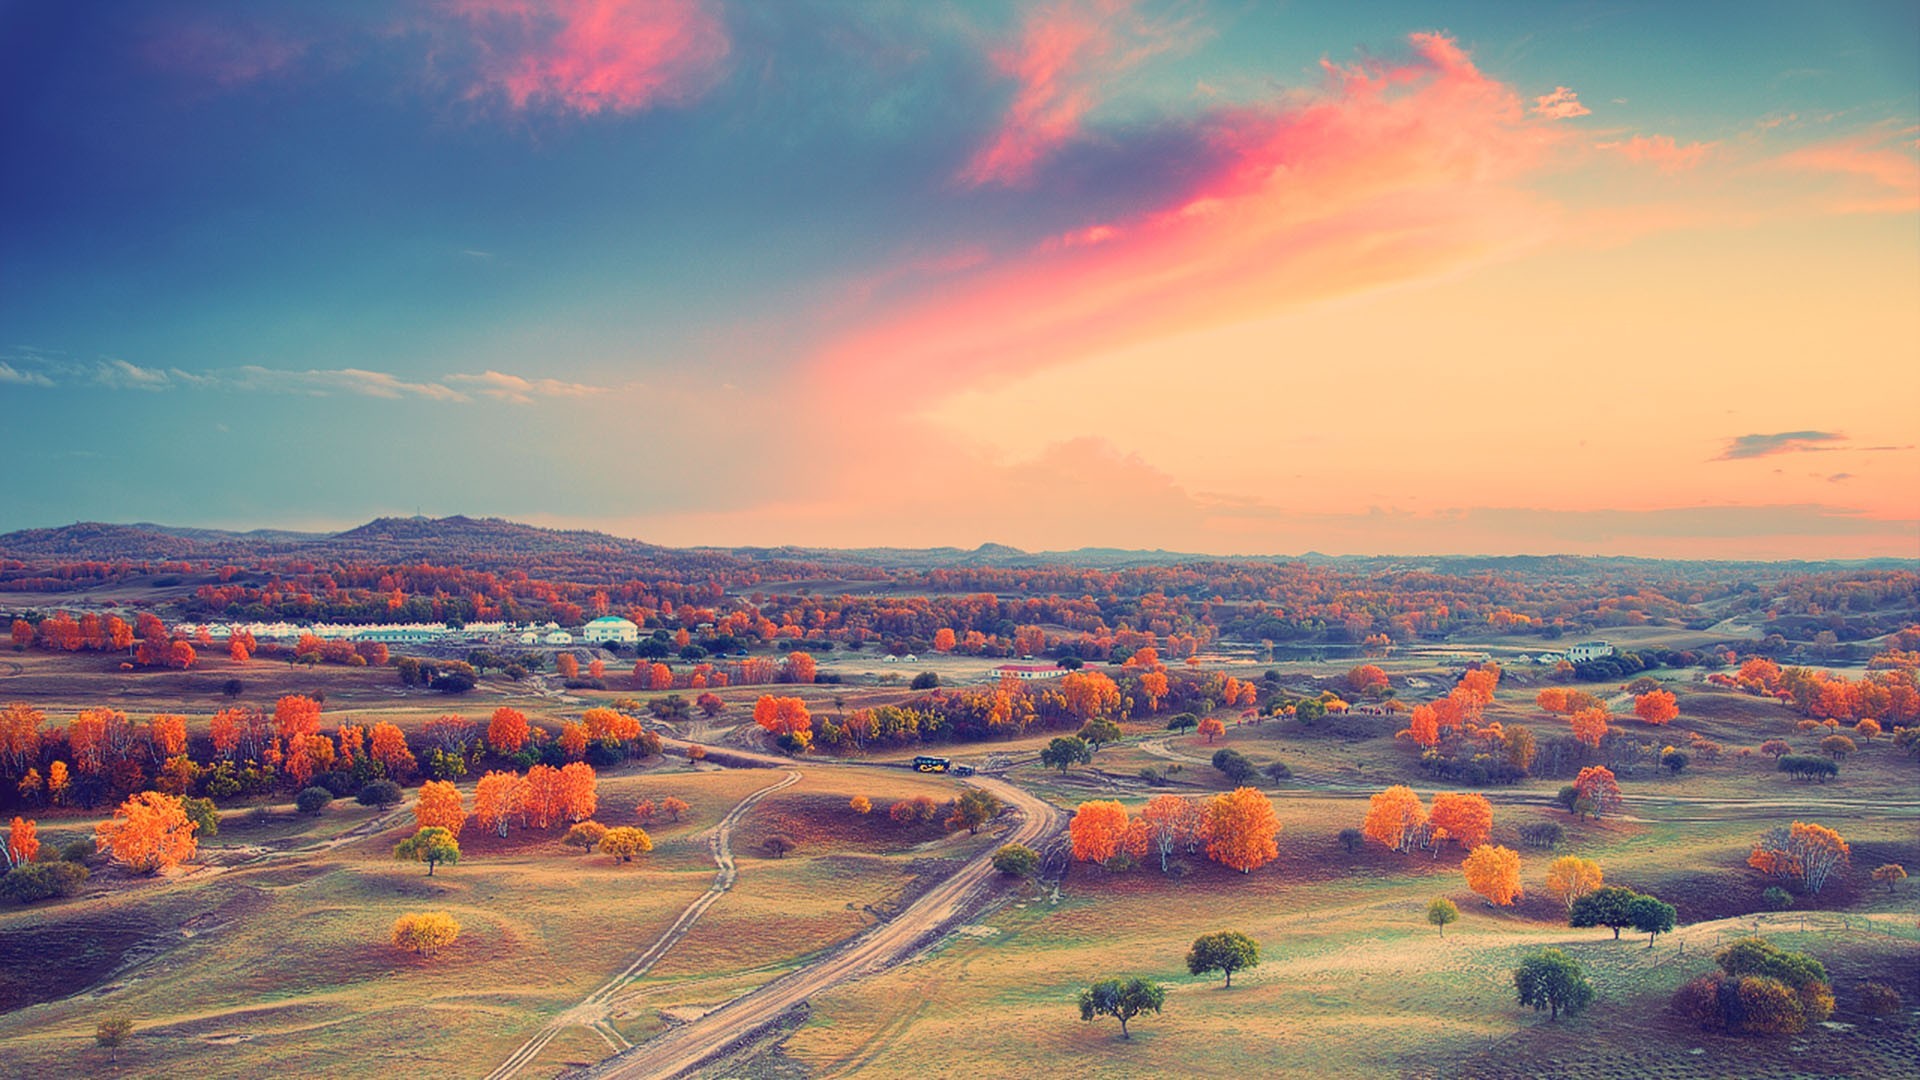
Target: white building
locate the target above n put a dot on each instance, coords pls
(1030, 671)
(558, 637)
(610, 628)
(1581, 652)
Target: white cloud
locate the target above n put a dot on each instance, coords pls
(124, 376)
(459, 387)
(14, 376)
(1562, 104)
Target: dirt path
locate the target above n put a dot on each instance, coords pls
(592, 1013)
(692, 1044)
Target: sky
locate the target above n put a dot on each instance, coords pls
(1231, 277)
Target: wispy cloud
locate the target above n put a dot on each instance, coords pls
(592, 56)
(1562, 104)
(226, 54)
(1066, 59)
(460, 387)
(1887, 179)
(1660, 151)
(13, 376)
(1780, 442)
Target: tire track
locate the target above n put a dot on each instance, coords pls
(592, 1012)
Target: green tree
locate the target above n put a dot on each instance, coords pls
(1065, 752)
(1016, 860)
(203, 814)
(1351, 839)
(1651, 916)
(312, 800)
(1100, 731)
(974, 808)
(112, 1033)
(1552, 980)
(1441, 912)
(1182, 721)
(380, 794)
(1122, 999)
(1228, 951)
(432, 845)
(1235, 766)
(1608, 906)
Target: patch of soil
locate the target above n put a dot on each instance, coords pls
(66, 956)
(825, 822)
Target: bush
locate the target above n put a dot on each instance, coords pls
(1542, 834)
(926, 680)
(42, 880)
(380, 794)
(1808, 767)
(1235, 766)
(312, 800)
(78, 851)
(1278, 771)
(1351, 839)
(1880, 1001)
(1777, 898)
(1016, 860)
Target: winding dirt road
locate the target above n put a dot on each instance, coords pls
(592, 1013)
(692, 1044)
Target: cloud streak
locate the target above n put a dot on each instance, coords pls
(459, 388)
(1660, 151)
(1562, 104)
(594, 56)
(1743, 447)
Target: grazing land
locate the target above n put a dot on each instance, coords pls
(808, 902)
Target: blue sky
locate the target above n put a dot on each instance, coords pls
(710, 272)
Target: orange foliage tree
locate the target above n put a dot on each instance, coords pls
(799, 667)
(1596, 787)
(497, 797)
(1466, 820)
(578, 793)
(943, 640)
(439, 805)
(1494, 872)
(1212, 728)
(1656, 707)
(1803, 852)
(1242, 829)
(542, 804)
(168, 733)
(1423, 726)
(1589, 726)
(387, 745)
(1099, 830)
(507, 731)
(1395, 818)
(1366, 677)
(568, 665)
(19, 736)
(22, 846)
(148, 833)
(782, 715)
(1173, 821)
(1089, 694)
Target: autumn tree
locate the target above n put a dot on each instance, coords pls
(387, 745)
(1171, 822)
(944, 640)
(1656, 707)
(1569, 878)
(22, 844)
(1395, 818)
(1597, 790)
(1242, 830)
(1802, 852)
(150, 832)
(542, 805)
(424, 933)
(1212, 728)
(439, 806)
(578, 791)
(675, 808)
(1366, 678)
(1226, 952)
(709, 704)
(1016, 860)
(568, 665)
(974, 808)
(624, 842)
(1122, 999)
(1589, 726)
(1888, 874)
(585, 835)
(1467, 820)
(860, 804)
(1494, 872)
(1089, 694)
(507, 732)
(497, 798)
(799, 668)
(1441, 912)
(432, 845)
(1553, 981)
(784, 716)
(1099, 831)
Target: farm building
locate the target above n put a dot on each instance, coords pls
(612, 628)
(1030, 671)
(558, 637)
(1583, 651)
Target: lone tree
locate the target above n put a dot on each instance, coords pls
(1100, 731)
(1554, 981)
(625, 842)
(1607, 906)
(974, 808)
(425, 932)
(1065, 752)
(1122, 999)
(1890, 875)
(432, 845)
(1228, 951)
(1351, 839)
(1651, 916)
(1016, 860)
(1441, 912)
(112, 1033)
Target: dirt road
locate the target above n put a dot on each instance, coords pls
(592, 1012)
(688, 1046)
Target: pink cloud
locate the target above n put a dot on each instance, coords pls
(592, 56)
(1660, 151)
(1562, 104)
(227, 55)
(1391, 171)
(1065, 56)
(1888, 179)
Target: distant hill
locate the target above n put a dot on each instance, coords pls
(495, 542)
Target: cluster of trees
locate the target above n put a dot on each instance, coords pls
(1802, 853)
(150, 832)
(1617, 909)
(146, 643)
(1126, 998)
(1397, 820)
(1237, 829)
(1760, 989)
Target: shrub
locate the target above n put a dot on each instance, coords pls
(1880, 1001)
(312, 800)
(1777, 898)
(1278, 771)
(1351, 839)
(1542, 834)
(1808, 767)
(1759, 990)
(778, 845)
(77, 851)
(926, 680)
(380, 794)
(1016, 860)
(1235, 766)
(425, 932)
(42, 881)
